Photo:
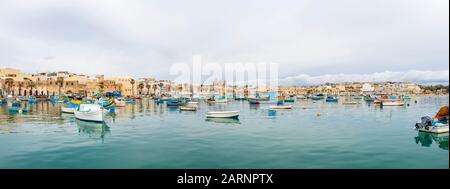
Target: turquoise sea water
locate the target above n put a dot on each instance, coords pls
(146, 135)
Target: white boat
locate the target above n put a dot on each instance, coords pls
(350, 102)
(223, 114)
(120, 102)
(393, 103)
(89, 112)
(67, 110)
(281, 107)
(193, 103)
(438, 128)
(222, 101)
(188, 108)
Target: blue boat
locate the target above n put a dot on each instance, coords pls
(369, 98)
(3, 101)
(174, 103)
(316, 98)
(32, 99)
(331, 99)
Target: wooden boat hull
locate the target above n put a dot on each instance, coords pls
(392, 103)
(89, 112)
(435, 129)
(223, 114)
(188, 108)
(287, 107)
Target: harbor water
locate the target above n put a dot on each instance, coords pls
(315, 134)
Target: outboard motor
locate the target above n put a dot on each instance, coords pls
(425, 122)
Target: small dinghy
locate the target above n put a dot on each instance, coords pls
(427, 124)
(436, 128)
(89, 112)
(281, 107)
(350, 103)
(223, 114)
(392, 103)
(188, 108)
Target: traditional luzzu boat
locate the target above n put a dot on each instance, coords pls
(223, 114)
(16, 106)
(89, 112)
(174, 103)
(3, 101)
(302, 98)
(108, 105)
(391, 101)
(264, 101)
(357, 97)
(406, 97)
(331, 99)
(291, 99)
(70, 108)
(281, 107)
(318, 97)
(369, 98)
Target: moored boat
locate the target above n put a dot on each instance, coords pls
(188, 108)
(393, 103)
(89, 112)
(281, 107)
(331, 99)
(223, 114)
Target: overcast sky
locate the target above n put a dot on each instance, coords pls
(310, 40)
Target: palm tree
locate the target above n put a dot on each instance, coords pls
(148, 88)
(9, 82)
(140, 87)
(101, 84)
(154, 87)
(132, 82)
(60, 81)
(31, 84)
(160, 87)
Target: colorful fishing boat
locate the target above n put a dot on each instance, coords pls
(332, 99)
(369, 98)
(174, 103)
(3, 101)
(291, 99)
(70, 108)
(318, 97)
(89, 112)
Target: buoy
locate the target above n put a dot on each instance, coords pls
(318, 114)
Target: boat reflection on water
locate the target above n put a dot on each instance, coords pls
(224, 120)
(254, 106)
(426, 139)
(272, 113)
(92, 129)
